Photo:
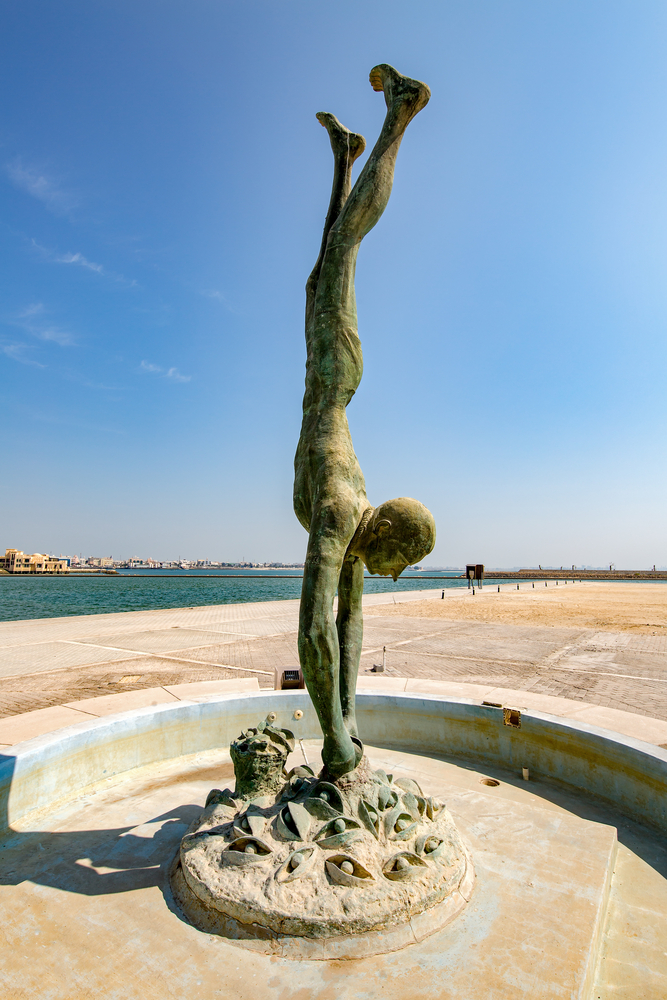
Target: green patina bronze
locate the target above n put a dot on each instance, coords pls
(345, 532)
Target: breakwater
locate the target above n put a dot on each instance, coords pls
(577, 574)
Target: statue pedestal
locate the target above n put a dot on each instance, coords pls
(367, 863)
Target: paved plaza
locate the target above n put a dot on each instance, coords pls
(63, 661)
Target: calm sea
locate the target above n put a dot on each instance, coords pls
(52, 597)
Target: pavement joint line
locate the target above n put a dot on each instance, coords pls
(98, 645)
(188, 628)
(127, 649)
(458, 656)
(403, 642)
(207, 663)
(605, 673)
(168, 656)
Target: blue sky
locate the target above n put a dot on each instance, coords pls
(164, 183)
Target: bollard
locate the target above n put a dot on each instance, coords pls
(545, 583)
(533, 586)
(525, 773)
(498, 589)
(443, 595)
(517, 586)
(473, 591)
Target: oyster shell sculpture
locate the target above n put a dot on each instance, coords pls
(404, 867)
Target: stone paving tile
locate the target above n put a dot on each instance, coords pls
(123, 701)
(622, 663)
(80, 626)
(413, 626)
(27, 693)
(161, 640)
(261, 626)
(260, 654)
(51, 656)
(609, 640)
(379, 637)
(649, 643)
(499, 649)
(492, 630)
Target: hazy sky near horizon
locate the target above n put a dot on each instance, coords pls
(164, 183)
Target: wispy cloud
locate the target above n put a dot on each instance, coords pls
(36, 182)
(171, 373)
(34, 321)
(20, 353)
(213, 293)
(176, 375)
(81, 261)
(78, 258)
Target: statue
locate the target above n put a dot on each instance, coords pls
(345, 532)
(352, 852)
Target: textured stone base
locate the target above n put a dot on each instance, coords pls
(365, 865)
(343, 946)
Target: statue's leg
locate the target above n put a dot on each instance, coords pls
(332, 313)
(346, 147)
(404, 99)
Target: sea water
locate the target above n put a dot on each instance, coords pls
(24, 597)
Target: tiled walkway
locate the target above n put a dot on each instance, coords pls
(59, 661)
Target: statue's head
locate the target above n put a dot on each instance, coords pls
(400, 533)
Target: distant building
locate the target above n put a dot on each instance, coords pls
(15, 561)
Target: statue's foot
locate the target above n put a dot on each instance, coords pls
(343, 142)
(404, 97)
(339, 756)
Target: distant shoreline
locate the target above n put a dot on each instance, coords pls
(489, 577)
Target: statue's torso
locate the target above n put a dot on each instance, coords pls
(327, 473)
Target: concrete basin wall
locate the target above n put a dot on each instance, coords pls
(52, 769)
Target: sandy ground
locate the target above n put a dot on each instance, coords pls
(632, 607)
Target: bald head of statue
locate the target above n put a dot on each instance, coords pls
(397, 534)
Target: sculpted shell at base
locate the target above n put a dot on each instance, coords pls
(346, 870)
(434, 848)
(399, 824)
(298, 864)
(246, 851)
(338, 832)
(404, 867)
(369, 817)
(325, 801)
(250, 824)
(293, 822)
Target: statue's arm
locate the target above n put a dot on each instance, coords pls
(318, 639)
(331, 531)
(350, 628)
